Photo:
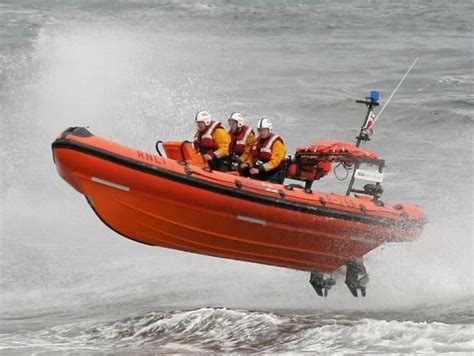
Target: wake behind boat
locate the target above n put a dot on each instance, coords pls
(177, 201)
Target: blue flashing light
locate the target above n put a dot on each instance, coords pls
(375, 95)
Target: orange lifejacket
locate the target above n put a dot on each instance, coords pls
(262, 148)
(203, 141)
(238, 142)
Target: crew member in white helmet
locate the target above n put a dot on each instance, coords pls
(242, 138)
(267, 156)
(212, 141)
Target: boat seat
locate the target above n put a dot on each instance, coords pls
(184, 151)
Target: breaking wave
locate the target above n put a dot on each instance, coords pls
(237, 330)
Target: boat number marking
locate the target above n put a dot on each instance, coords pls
(251, 220)
(369, 175)
(338, 200)
(110, 184)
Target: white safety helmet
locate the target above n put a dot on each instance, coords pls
(237, 116)
(265, 123)
(203, 116)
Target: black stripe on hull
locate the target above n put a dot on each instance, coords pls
(230, 191)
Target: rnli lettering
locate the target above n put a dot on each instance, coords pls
(147, 157)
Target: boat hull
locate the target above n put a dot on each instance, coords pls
(160, 202)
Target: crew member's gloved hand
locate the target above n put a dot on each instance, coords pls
(244, 165)
(208, 157)
(254, 171)
(236, 159)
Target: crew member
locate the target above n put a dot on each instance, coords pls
(242, 138)
(267, 156)
(212, 141)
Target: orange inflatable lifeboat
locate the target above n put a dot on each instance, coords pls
(178, 202)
